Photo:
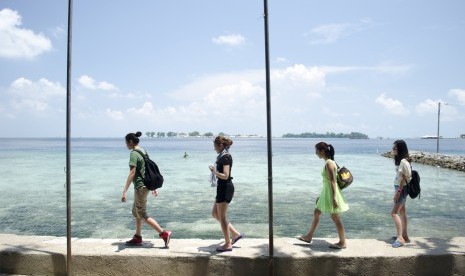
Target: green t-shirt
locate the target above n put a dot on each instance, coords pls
(136, 160)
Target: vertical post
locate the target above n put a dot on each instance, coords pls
(68, 142)
(269, 139)
(437, 136)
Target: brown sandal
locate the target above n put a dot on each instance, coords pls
(301, 238)
(337, 246)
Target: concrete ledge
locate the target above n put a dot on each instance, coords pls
(39, 255)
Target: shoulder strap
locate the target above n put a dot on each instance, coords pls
(145, 156)
(141, 153)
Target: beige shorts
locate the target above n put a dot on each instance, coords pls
(140, 203)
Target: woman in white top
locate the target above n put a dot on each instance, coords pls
(403, 176)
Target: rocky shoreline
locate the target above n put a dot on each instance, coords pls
(453, 162)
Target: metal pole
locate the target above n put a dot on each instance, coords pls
(68, 142)
(269, 138)
(437, 137)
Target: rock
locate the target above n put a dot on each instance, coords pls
(453, 162)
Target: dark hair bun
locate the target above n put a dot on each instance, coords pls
(138, 134)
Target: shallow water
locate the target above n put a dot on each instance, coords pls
(33, 192)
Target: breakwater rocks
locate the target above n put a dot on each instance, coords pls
(453, 162)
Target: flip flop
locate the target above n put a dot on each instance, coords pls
(395, 238)
(222, 249)
(301, 238)
(337, 246)
(397, 244)
(234, 240)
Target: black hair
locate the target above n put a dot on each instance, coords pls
(133, 137)
(328, 148)
(402, 152)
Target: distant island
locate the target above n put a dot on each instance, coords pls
(352, 135)
(195, 134)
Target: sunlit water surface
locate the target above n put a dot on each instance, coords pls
(33, 191)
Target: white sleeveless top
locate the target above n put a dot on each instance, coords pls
(402, 170)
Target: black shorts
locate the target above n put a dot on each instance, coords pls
(224, 192)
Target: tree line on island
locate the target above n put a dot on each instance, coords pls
(159, 134)
(352, 135)
(171, 134)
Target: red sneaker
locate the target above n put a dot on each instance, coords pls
(165, 235)
(135, 241)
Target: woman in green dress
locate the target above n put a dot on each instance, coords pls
(330, 200)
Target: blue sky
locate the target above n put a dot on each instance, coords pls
(376, 67)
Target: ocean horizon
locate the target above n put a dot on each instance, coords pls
(239, 136)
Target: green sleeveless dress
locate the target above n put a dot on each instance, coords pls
(325, 202)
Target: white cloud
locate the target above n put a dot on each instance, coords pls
(281, 60)
(296, 80)
(230, 99)
(34, 95)
(394, 69)
(122, 95)
(58, 31)
(299, 72)
(448, 112)
(114, 114)
(146, 110)
(427, 106)
(294, 86)
(237, 95)
(89, 83)
(330, 33)
(222, 103)
(16, 42)
(201, 85)
(458, 94)
(393, 106)
(231, 40)
(106, 86)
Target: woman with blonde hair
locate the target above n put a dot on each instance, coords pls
(224, 191)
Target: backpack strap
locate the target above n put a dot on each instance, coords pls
(145, 156)
(403, 176)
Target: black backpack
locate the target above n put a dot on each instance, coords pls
(152, 178)
(414, 189)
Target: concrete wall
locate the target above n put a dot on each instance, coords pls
(33, 255)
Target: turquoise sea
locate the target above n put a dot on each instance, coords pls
(33, 192)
